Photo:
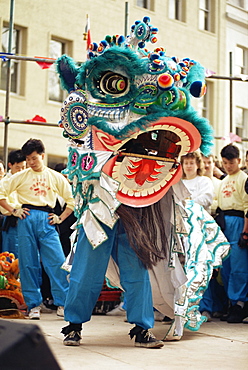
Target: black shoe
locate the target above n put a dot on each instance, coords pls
(144, 338)
(167, 320)
(73, 339)
(72, 334)
(236, 315)
(224, 317)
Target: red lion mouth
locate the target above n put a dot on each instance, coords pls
(146, 163)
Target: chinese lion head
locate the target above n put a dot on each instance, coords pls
(135, 105)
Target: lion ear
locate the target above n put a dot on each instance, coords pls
(67, 71)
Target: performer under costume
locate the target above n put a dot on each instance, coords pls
(128, 118)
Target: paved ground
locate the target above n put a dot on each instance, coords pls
(106, 345)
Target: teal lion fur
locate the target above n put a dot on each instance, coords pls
(67, 70)
(126, 62)
(113, 59)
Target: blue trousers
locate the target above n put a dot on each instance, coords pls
(214, 298)
(235, 267)
(38, 240)
(88, 273)
(10, 241)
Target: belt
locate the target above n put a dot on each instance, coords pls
(220, 216)
(39, 208)
(234, 212)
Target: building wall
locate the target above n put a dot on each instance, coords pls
(237, 35)
(66, 20)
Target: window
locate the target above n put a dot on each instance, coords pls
(202, 106)
(204, 15)
(147, 4)
(177, 10)
(241, 115)
(14, 64)
(55, 93)
(240, 3)
(241, 60)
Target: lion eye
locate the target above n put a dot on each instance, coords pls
(113, 83)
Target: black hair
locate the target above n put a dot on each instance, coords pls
(16, 156)
(59, 167)
(33, 145)
(230, 152)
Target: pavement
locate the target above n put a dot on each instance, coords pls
(106, 345)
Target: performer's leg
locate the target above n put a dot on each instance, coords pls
(29, 261)
(52, 257)
(225, 272)
(135, 281)
(87, 276)
(214, 298)
(206, 303)
(10, 241)
(238, 280)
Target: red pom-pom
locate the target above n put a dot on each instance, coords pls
(165, 81)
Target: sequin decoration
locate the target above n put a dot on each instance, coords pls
(74, 115)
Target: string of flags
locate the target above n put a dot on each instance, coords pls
(44, 63)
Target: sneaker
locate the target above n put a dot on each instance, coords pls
(236, 315)
(34, 313)
(60, 311)
(207, 315)
(144, 338)
(245, 321)
(45, 309)
(117, 311)
(72, 339)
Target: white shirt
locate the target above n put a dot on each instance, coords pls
(202, 190)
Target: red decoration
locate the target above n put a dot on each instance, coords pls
(45, 65)
(36, 118)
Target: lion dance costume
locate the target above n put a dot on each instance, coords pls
(128, 119)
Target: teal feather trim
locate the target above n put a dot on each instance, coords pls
(67, 71)
(113, 59)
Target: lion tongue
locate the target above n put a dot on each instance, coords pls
(142, 171)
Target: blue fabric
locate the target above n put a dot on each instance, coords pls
(214, 298)
(88, 272)
(38, 240)
(235, 267)
(10, 241)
